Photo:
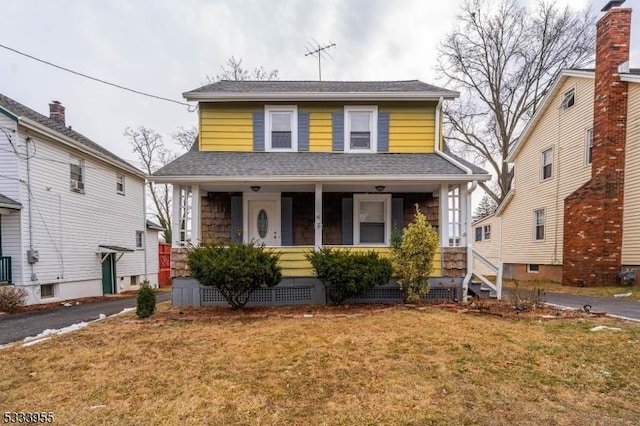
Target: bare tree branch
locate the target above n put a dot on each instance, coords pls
(234, 71)
(503, 58)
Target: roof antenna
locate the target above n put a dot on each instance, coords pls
(316, 49)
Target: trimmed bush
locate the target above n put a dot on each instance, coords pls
(11, 298)
(345, 274)
(146, 301)
(236, 271)
(413, 257)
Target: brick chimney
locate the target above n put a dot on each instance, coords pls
(56, 112)
(592, 247)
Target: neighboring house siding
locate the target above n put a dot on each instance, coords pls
(564, 131)
(225, 127)
(631, 231)
(490, 248)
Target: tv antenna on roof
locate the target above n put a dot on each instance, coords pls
(315, 49)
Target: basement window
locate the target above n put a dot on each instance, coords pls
(569, 99)
(533, 268)
(46, 291)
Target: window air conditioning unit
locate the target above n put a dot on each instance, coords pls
(77, 185)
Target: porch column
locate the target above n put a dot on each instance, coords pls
(318, 217)
(444, 215)
(175, 217)
(195, 215)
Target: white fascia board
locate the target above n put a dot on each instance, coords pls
(320, 178)
(631, 78)
(319, 96)
(65, 140)
(503, 205)
(543, 107)
(480, 221)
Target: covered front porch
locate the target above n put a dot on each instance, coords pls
(296, 218)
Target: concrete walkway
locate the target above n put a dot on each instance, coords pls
(18, 326)
(616, 307)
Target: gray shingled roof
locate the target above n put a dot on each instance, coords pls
(247, 164)
(8, 203)
(20, 110)
(409, 86)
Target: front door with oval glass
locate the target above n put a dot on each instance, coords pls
(264, 223)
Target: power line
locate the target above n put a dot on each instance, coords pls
(98, 79)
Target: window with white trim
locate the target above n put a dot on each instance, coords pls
(371, 219)
(47, 291)
(546, 170)
(120, 184)
(588, 147)
(538, 224)
(281, 128)
(569, 99)
(360, 129)
(455, 216)
(533, 268)
(139, 239)
(76, 174)
(483, 233)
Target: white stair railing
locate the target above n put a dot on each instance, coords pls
(494, 288)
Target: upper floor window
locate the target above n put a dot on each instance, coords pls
(360, 129)
(538, 218)
(547, 163)
(588, 147)
(569, 99)
(120, 184)
(281, 128)
(76, 174)
(139, 239)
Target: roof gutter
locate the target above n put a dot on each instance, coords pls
(437, 142)
(33, 125)
(318, 178)
(318, 96)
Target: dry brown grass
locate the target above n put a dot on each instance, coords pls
(395, 367)
(551, 286)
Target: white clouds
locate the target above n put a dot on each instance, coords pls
(167, 47)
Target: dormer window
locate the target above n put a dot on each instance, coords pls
(281, 128)
(361, 132)
(569, 99)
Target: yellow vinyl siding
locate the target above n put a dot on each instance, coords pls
(226, 127)
(294, 263)
(631, 223)
(411, 129)
(564, 131)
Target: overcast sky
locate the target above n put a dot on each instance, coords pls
(166, 47)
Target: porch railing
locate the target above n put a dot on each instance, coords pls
(5, 270)
(495, 289)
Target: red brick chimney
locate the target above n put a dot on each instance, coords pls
(592, 248)
(56, 112)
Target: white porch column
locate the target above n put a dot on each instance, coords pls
(195, 215)
(444, 215)
(318, 217)
(175, 216)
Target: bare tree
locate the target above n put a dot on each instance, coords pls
(185, 137)
(233, 70)
(152, 154)
(504, 58)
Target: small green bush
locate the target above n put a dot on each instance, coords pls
(146, 301)
(236, 271)
(413, 257)
(11, 298)
(345, 274)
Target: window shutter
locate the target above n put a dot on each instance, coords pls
(303, 131)
(397, 215)
(286, 219)
(383, 132)
(258, 130)
(347, 221)
(236, 218)
(338, 130)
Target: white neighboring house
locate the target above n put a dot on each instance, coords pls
(72, 214)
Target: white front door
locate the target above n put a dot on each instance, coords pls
(264, 220)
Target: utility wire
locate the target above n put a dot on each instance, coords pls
(99, 80)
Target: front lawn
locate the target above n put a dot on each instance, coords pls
(551, 286)
(377, 366)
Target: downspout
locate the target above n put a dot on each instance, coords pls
(470, 189)
(27, 140)
(144, 226)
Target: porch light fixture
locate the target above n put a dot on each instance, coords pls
(255, 188)
(380, 188)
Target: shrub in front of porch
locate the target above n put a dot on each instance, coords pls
(413, 256)
(345, 274)
(236, 270)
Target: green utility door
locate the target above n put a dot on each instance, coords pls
(109, 274)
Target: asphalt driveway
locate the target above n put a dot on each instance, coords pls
(618, 307)
(18, 326)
